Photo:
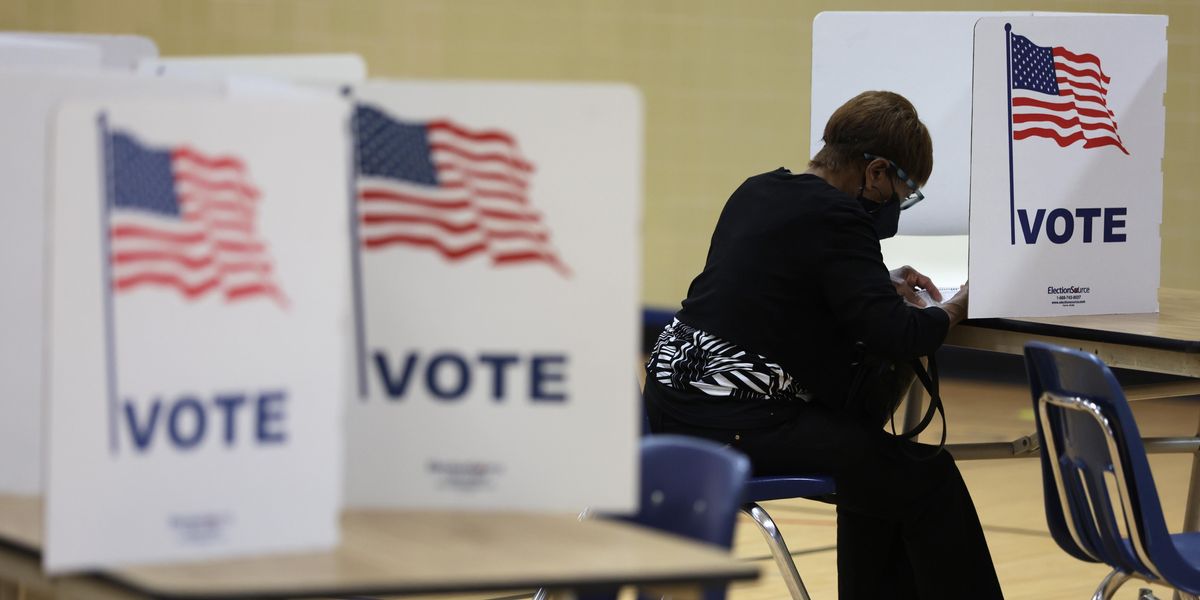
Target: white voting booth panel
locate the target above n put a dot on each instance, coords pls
(943, 258)
(17, 51)
(1066, 194)
(198, 324)
(499, 267)
(318, 69)
(939, 70)
(28, 98)
(116, 51)
(858, 51)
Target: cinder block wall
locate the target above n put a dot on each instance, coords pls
(726, 82)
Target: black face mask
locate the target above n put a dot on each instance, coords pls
(885, 218)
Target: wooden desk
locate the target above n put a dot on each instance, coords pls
(399, 552)
(1164, 342)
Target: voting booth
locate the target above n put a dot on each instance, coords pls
(197, 326)
(29, 98)
(46, 54)
(1068, 112)
(310, 69)
(118, 52)
(1048, 137)
(251, 302)
(497, 279)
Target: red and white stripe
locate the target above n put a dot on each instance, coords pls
(212, 248)
(1079, 114)
(480, 207)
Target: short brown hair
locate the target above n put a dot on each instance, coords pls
(880, 123)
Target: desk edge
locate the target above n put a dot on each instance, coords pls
(1085, 334)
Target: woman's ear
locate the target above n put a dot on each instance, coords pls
(877, 170)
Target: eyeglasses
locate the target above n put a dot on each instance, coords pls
(910, 200)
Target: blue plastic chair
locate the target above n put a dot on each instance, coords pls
(1091, 448)
(763, 489)
(692, 488)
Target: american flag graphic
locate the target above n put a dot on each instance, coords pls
(1060, 95)
(183, 220)
(445, 188)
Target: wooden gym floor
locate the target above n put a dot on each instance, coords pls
(1007, 494)
(986, 401)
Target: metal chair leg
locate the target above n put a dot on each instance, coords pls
(1108, 586)
(779, 550)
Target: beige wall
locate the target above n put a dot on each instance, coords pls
(726, 82)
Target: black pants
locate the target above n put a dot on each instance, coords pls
(906, 528)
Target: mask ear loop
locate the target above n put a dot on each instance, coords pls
(878, 206)
(891, 183)
(863, 188)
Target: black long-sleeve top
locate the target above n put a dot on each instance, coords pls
(795, 273)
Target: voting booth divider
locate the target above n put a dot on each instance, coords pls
(117, 52)
(197, 324)
(498, 267)
(47, 54)
(28, 100)
(1048, 140)
(259, 289)
(306, 69)
(1066, 161)
(74, 50)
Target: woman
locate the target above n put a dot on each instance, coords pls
(760, 355)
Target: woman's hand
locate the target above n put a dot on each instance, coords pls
(907, 280)
(956, 307)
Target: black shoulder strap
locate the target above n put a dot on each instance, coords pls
(930, 381)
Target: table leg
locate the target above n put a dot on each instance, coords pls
(22, 578)
(1191, 515)
(670, 591)
(674, 592)
(1191, 511)
(15, 591)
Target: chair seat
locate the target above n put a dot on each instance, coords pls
(762, 489)
(1188, 546)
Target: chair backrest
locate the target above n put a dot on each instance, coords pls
(1101, 503)
(691, 487)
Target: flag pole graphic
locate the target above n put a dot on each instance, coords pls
(1012, 203)
(360, 336)
(110, 350)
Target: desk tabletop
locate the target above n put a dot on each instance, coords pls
(385, 552)
(1166, 342)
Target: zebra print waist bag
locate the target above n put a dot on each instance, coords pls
(687, 359)
(696, 364)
